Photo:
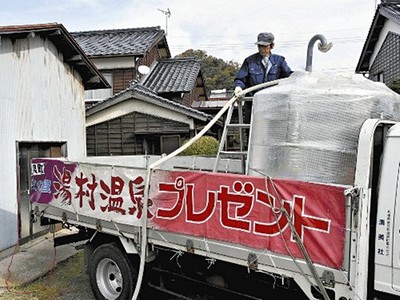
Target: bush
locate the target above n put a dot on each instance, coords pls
(395, 86)
(206, 145)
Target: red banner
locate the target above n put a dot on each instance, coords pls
(252, 211)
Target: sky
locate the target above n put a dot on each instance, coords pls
(224, 29)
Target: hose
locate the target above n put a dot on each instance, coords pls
(151, 167)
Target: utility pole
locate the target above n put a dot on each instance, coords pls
(167, 14)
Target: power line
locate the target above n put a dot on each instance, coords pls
(308, 33)
(232, 46)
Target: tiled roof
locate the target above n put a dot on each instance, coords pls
(173, 75)
(209, 104)
(66, 44)
(140, 92)
(383, 12)
(391, 11)
(117, 42)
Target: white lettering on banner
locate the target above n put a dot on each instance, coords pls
(235, 207)
(37, 169)
(241, 209)
(235, 204)
(42, 186)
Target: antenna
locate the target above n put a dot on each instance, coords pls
(167, 14)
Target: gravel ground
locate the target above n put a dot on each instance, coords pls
(78, 286)
(68, 281)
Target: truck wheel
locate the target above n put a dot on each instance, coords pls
(87, 254)
(112, 273)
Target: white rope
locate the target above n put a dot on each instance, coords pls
(301, 246)
(275, 211)
(211, 261)
(176, 255)
(154, 165)
(192, 167)
(206, 245)
(227, 165)
(273, 262)
(350, 285)
(164, 239)
(299, 243)
(268, 253)
(273, 276)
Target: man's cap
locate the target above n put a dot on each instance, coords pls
(265, 38)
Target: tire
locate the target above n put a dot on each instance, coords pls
(112, 273)
(87, 254)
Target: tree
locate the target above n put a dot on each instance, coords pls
(395, 86)
(217, 73)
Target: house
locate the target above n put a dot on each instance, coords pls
(138, 121)
(118, 53)
(174, 83)
(42, 83)
(380, 56)
(177, 79)
(216, 101)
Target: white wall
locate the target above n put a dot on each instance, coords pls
(122, 62)
(42, 100)
(135, 105)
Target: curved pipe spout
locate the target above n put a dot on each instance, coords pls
(323, 47)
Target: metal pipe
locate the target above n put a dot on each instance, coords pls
(323, 47)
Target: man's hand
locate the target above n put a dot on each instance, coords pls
(238, 89)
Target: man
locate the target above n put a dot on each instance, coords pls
(260, 67)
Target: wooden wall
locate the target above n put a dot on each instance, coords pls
(122, 79)
(131, 134)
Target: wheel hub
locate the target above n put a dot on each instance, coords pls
(109, 279)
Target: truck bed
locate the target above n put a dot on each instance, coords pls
(246, 220)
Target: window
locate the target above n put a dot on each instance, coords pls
(169, 143)
(134, 134)
(101, 94)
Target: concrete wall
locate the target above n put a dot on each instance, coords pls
(42, 100)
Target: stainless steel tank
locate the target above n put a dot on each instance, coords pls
(307, 127)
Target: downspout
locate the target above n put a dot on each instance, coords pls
(323, 47)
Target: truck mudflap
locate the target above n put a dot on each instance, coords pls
(256, 212)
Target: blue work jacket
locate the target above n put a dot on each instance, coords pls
(252, 71)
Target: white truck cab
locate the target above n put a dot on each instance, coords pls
(387, 236)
